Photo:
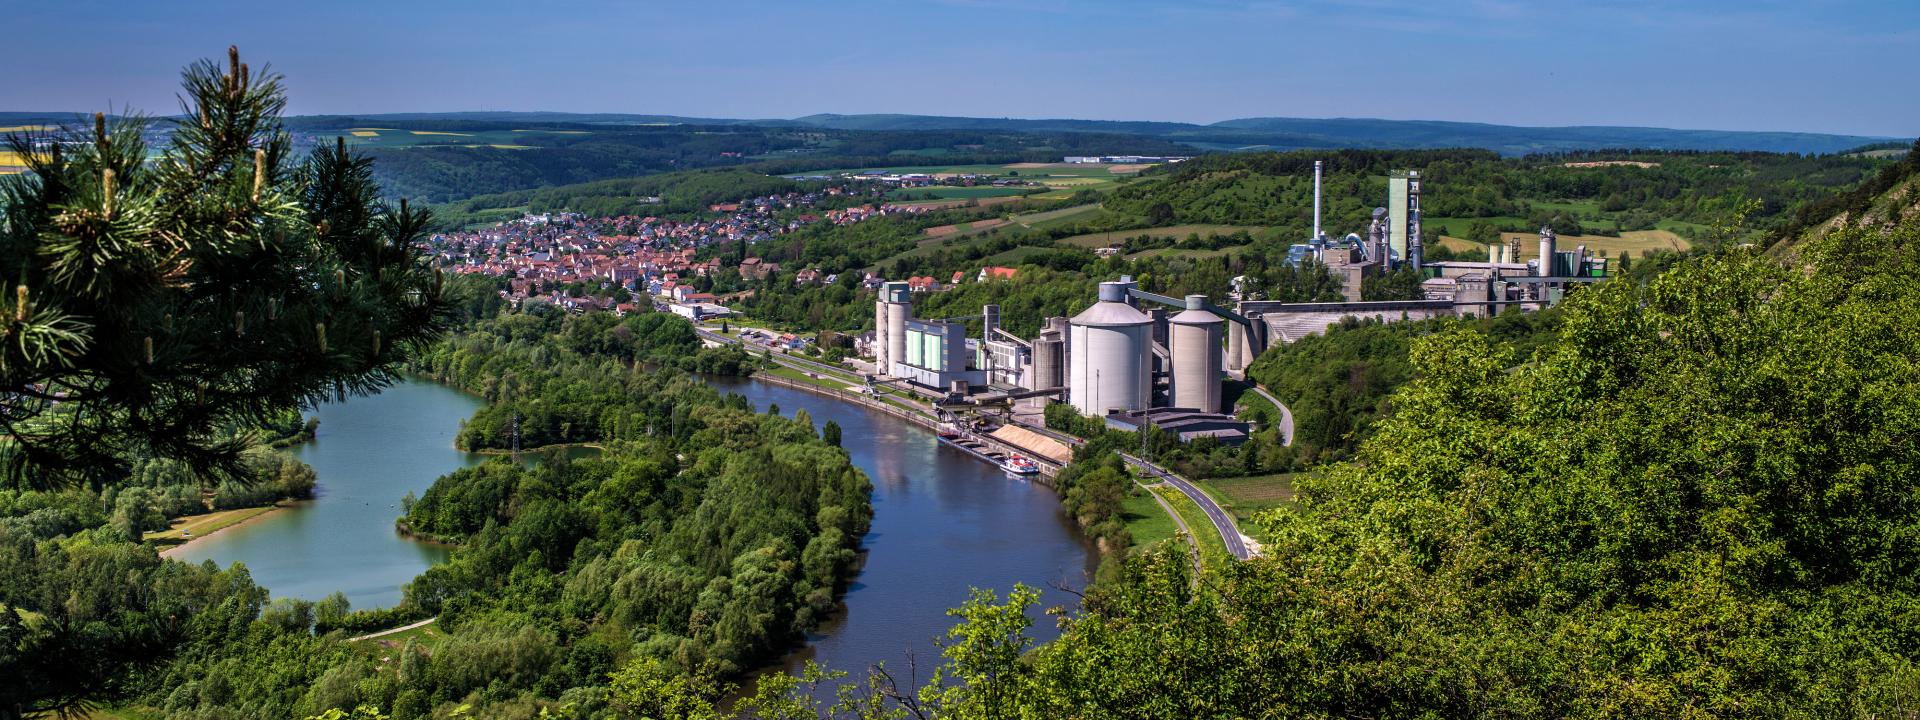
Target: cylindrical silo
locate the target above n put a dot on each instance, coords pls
(1236, 344)
(1546, 252)
(1194, 338)
(1049, 357)
(880, 336)
(899, 310)
(1112, 355)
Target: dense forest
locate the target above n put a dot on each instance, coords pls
(1338, 384)
(1577, 193)
(445, 160)
(705, 538)
(582, 363)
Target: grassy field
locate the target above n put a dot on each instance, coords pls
(1457, 227)
(1041, 220)
(429, 636)
(1012, 257)
(1177, 232)
(943, 192)
(1146, 522)
(204, 524)
(1213, 550)
(1048, 219)
(1244, 497)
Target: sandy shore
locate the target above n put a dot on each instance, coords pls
(257, 513)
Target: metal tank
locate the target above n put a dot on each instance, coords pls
(1110, 368)
(1195, 344)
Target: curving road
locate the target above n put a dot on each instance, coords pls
(1222, 522)
(1286, 415)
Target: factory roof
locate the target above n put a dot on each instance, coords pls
(1109, 314)
(1186, 423)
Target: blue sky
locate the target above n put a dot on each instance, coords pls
(1816, 65)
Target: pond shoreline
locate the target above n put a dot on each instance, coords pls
(169, 550)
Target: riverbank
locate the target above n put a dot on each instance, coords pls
(925, 421)
(494, 452)
(186, 530)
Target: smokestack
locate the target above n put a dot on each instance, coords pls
(1316, 202)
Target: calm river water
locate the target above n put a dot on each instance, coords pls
(944, 522)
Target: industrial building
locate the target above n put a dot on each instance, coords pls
(1135, 357)
(1111, 359)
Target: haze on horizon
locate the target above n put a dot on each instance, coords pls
(1835, 66)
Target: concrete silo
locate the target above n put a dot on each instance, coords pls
(899, 308)
(1195, 344)
(880, 335)
(1111, 363)
(1049, 360)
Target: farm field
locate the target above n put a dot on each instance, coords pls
(1041, 220)
(942, 192)
(1633, 242)
(1177, 232)
(1060, 180)
(1012, 257)
(1245, 497)
(395, 138)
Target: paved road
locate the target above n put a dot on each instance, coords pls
(1286, 415)
(1222, 522)
(798, 363)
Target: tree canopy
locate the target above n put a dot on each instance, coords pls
(157, 302)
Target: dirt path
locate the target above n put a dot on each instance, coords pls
(401, 629)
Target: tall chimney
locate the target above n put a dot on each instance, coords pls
(1316, 202)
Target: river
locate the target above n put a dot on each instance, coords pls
(944, 522)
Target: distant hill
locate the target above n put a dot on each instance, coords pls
(1512, 140)
(1271, 133)
(1261, 133)
(1885, 199)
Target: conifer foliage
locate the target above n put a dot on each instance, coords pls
(159, 301)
